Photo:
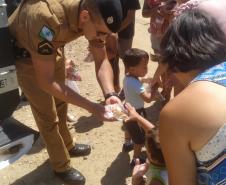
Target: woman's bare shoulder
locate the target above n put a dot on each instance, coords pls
(197, 107)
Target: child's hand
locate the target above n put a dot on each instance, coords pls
(132, 113)
(138, 177)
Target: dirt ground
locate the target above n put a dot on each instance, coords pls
(107, 164)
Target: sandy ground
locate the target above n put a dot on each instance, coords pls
(107, 164)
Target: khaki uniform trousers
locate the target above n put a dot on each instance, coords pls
(49, 112)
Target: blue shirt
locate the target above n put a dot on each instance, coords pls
(132, 89)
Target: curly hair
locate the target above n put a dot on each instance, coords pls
(193, 41)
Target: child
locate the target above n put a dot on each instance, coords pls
(159, 12)
(157, 173)
(136, 65)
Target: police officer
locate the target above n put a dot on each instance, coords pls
(41, 29)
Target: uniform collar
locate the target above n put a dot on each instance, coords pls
(72, 13)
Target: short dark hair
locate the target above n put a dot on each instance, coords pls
(193, 41)
(133, 57)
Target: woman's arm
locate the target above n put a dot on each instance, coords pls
(175, 145)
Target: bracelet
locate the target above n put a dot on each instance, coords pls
(108, 95)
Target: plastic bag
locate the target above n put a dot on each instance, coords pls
(73, 85)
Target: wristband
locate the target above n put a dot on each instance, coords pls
(108, 95)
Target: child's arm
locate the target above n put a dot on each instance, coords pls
(147, 96)
(133, 115)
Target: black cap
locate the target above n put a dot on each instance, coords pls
(111, 12)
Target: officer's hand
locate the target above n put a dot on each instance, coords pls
(100, 112)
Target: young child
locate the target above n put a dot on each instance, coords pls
(156, 173)
(136, 65)
(159, 12)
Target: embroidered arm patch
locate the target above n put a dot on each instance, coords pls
(47, 33)
(45, 48)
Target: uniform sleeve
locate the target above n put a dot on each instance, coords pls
(133, 4)
(42, 28)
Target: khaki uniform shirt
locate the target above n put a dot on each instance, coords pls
(43, 26)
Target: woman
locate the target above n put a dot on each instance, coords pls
(193, 124)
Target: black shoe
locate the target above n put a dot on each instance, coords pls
(80, 150)
(71, 177)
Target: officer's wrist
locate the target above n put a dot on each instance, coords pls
(108, 95)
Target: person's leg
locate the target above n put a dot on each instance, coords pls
(61, 106)
(155, 44)
(128, 143)
(138, 137)
(115, 67)
(45, 113)
(123, 45)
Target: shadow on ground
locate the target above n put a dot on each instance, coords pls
(87, 123)
(119, 166)
(42, 175)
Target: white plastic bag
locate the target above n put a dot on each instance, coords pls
(73, 85)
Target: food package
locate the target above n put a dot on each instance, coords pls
(116, 111)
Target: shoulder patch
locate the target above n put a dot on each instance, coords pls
(46, 33)
(45, 48)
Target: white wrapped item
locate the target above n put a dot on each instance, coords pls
(116, 111)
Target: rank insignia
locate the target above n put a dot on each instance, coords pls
(45, 48)
(46, 33)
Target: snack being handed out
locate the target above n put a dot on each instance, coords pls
(116, 111)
